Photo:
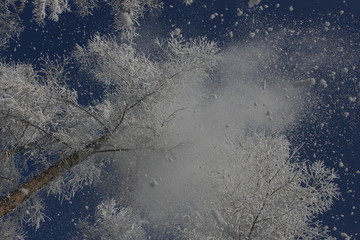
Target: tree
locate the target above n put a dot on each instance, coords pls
(264, 192)
(46, 135)
(259, 190)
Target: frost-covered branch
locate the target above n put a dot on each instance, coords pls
(267, 197)
(87, 112)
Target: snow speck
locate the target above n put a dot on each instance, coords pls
(126, 19)
(303, 83)
(177, 31)
(239, 12)
(345, 236)
(341, 164)
(253, 3)
(352, 99)
(291, 8)
(346, 114)
(333, 74)
(252, 34)
(153, 183)
(323, 83)
(24, 191)
(264, 85)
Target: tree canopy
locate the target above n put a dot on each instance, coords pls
(256, 184)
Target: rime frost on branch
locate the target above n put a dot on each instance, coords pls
(50, 8)
(126, 14)
(114, 222)
(10, 230)
(10, 23)
(264, 192)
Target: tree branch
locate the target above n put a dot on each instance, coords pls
(17, 197)
(9, 179)
(86, 111)
(19, 149)
(43, 131)
(116, 150)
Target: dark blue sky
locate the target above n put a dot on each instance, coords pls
(339, 142)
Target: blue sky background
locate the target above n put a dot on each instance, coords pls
(339, 142)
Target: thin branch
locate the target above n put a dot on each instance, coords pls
(179, 144)
(45, 132)
(286, 161)
(18, 149)
(172, 116)
(116, 150)
(17, 197)
(86, 111)
(253, 224)
(137, 102)
(122, 149)
(9, 179)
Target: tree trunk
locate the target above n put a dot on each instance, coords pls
(18, 196)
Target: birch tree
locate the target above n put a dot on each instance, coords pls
(44, 127)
